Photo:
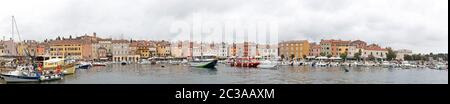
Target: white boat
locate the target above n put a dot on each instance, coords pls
(21, 74)
(84, 65)
(267, 64)
(406, 65)
(145, 62)
(334, 64)
(439, 66)
(320, 64)
(387, 64)
(98, 64)
(284, 63)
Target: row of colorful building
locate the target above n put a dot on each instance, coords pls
(91, 47)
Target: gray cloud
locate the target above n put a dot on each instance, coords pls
(420, 25)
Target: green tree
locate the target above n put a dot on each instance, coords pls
(323, 54)
(357, 55)
(329, 55)
(371, 57)
(344, 56)
(391, 55)
(407, 57)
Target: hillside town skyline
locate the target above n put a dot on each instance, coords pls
(130, 37)
(93, 47)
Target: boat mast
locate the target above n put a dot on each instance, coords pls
(16, 28)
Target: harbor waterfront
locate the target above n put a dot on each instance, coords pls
(224, 74)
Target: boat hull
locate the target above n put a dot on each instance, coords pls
(251, 65)
(267, 66)
(210, 65)
(18, 79)
(84, 66)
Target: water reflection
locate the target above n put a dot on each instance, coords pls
(178, 74)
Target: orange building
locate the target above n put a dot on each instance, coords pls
(297, 49)
(334, 47)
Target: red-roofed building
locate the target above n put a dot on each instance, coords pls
(374, 50)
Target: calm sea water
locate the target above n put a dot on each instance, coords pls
(177, 74)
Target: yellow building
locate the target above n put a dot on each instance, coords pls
(66, 48)
(144, 51)
(21, 48)
(342, 50)
(295, 50)
(142, 48)
(163, 49)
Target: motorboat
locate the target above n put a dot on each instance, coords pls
(267, 64)
(98, 64)
(84, 65)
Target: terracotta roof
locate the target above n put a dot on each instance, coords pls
(336, 42)
(358, 42)
(63, 42)
(294, 41)
(120, 41)
(374, 47)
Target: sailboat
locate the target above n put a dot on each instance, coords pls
(204, 61)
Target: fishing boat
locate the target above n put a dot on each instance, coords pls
(245, 62)
(27, 74)
(21, 74)
(47, 63)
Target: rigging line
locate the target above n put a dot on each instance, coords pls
(12, 27)
(17, 29)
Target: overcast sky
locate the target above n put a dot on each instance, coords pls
(419, 25)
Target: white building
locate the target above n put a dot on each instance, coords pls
(268, 51)
(121, 52)
(97, 49)
(246, 49)
(178, 49)
(223, 50)
(375, 51)
(9, 47)
(402, 52)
